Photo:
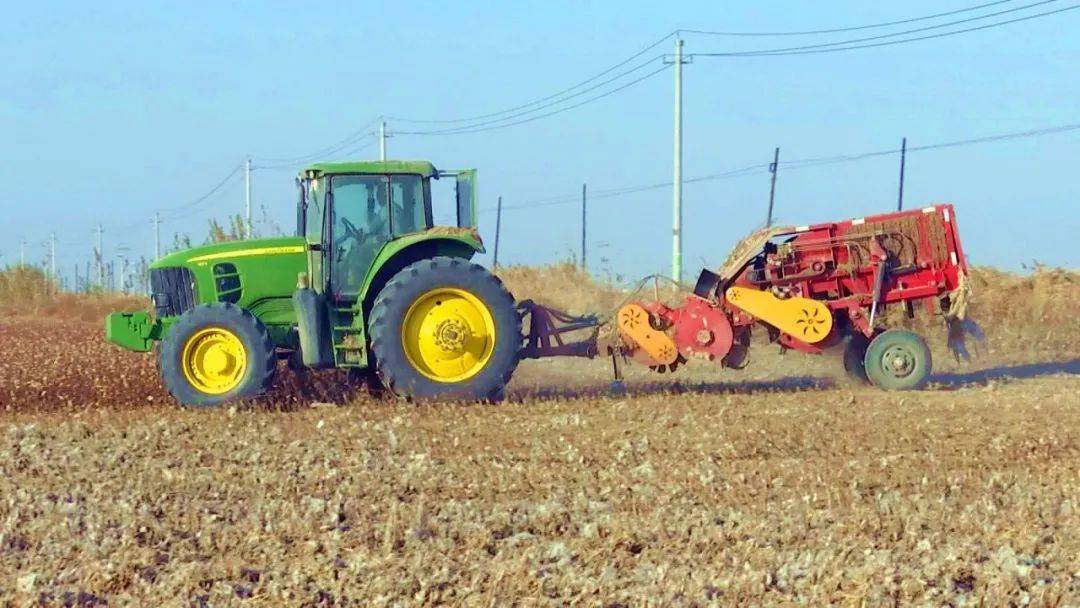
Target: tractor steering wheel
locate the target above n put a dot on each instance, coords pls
(351, 231)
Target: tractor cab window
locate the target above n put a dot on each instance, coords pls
(408, 201)
(361, 226)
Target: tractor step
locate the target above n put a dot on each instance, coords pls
(349, 343)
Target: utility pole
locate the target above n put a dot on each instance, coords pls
(157, 235)
(583, 202)
(677, 180)
(498, 226)
(247, 196)
(382, 140)
(52, 256)
(22, 252)
(772, 188)
(100, 256)
(903, 158)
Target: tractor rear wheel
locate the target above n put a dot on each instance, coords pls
(445, 328)
(898, 359)
(217, 353)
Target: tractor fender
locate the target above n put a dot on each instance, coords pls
(398, 254)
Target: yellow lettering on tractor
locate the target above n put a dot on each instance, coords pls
(805, 319)
(634, 324)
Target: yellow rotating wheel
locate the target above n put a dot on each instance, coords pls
(213, 360)
(448, 334)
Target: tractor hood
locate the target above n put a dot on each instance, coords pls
(258, 274)
(231, 251)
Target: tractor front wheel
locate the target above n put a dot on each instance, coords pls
(216, 353)
(447, 329)
(898, 359)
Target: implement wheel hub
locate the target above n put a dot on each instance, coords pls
(900, 361)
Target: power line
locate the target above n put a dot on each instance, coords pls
(350, 139)
(904, 32)
(538, 108)
(615, 192)
(762, 168)
(850, 29)
(810, 50)
(828, 160)
(294, 168)
(542, 99)
(205, 196)
(469, 129)
(756, 169)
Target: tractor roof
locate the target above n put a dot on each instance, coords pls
(418, 167)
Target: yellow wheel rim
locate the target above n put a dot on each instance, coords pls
(448, 334)
(214, 360)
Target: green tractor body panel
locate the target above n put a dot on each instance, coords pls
(449, 242)
(256, 274)
(260, 275)
(266, 269)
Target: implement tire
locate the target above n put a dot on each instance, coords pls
(445, 329)
(898, 360)
(216, 353)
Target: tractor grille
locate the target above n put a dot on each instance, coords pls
(173, 291)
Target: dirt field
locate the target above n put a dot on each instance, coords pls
(777, 485)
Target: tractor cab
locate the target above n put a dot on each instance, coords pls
(349, 212)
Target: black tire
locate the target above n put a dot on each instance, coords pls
(258, 349)
(854, 358)
(385, 327)
(898, 360)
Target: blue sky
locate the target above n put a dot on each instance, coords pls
(112, 111)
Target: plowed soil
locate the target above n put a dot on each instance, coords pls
(779, 485)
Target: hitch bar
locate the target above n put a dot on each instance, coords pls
(547, 327)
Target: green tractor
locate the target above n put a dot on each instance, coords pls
(369, 283)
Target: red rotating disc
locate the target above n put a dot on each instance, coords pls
(702, 330)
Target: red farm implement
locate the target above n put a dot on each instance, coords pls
(811, 288)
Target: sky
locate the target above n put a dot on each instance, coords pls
(110, 112)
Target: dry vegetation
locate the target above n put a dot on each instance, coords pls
(777, 485)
